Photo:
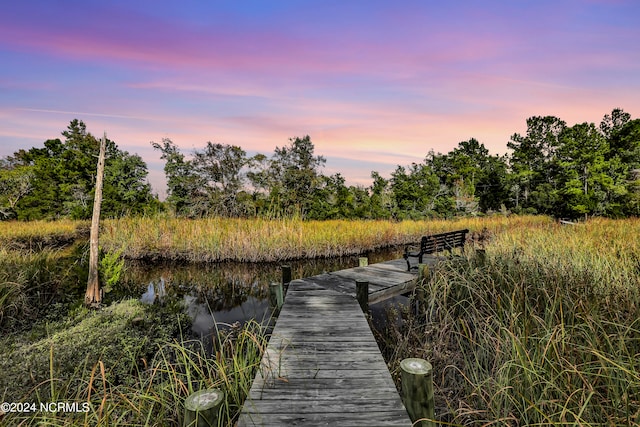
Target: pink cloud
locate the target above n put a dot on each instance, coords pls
(171, 45)
(386, 87)
(150, 42)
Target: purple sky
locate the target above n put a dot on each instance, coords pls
(374, 83)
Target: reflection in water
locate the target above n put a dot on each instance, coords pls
(155, 292)
(226, 293)
(205, 321)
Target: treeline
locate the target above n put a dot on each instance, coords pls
(58, 180)
(554, 169)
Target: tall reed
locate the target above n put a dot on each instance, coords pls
(38, 235)
(29, 281)
(153, 394)
(259, 240)
(20, 229)
(546, 331)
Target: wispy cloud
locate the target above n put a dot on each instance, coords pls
(368, 81)
(83, 114)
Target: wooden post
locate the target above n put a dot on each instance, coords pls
(417, 391)
(419, 295)
(423, 271)
(481, 257)
(363, 261)
(92, 296)
(286, 274)
(201, 409)
(276, 295)
(420, 304)
(362, 294)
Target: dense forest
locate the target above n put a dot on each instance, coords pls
(554, 169)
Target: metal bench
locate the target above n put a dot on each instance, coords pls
(435, 243)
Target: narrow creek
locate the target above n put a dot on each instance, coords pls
(222, 294)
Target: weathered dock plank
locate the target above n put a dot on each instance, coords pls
(386, 280)
(322, 365)
(334, 416)
(379, 276)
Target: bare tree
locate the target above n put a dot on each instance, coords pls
(93, 296)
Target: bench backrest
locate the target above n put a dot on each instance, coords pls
(443, 241)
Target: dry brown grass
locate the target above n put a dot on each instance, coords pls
(262, 240)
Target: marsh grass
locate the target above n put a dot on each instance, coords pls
(263, 240)
(125, 386)
(17, 229)
(164, 238)
(29, 282)
(39, 235)
(545, 332)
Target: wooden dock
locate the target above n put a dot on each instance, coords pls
(322, 365)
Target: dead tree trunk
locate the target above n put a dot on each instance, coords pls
(93, 297)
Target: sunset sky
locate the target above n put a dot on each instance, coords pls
(374, 83)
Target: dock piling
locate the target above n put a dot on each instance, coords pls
(362, 294)
(420, 296)
(481, 257)
(276, 295)
(286, 274)
(417, 391)
(423, 271)
(201, 409)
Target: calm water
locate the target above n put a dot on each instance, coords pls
(225, 293)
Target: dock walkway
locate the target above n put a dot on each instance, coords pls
(322, 365)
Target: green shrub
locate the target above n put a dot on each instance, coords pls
(111, 268)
